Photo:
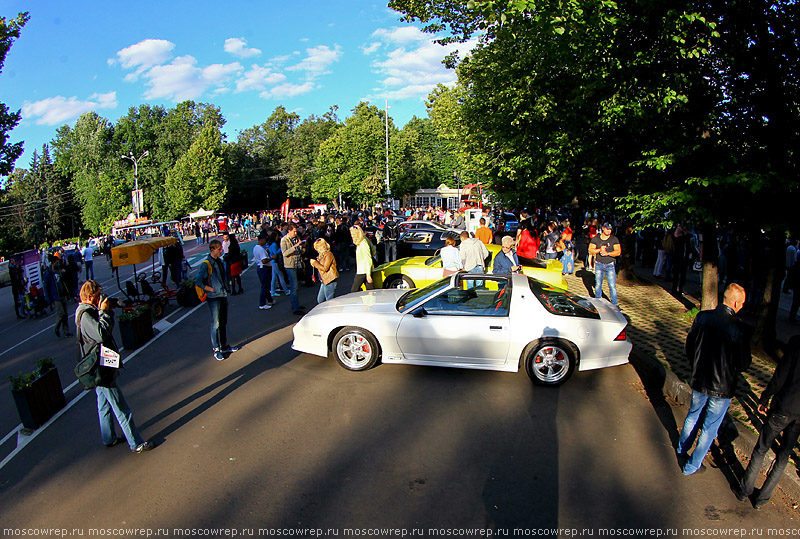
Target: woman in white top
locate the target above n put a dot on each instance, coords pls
(451, 257)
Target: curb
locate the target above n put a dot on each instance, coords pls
(653, 372)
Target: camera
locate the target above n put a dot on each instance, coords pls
(112, 302)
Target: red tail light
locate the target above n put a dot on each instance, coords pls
(622, 336)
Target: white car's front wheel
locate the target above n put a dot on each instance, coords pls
(355, 349)
(551, 363)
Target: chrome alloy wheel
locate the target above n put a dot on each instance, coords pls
(550, 364)
(354, 351)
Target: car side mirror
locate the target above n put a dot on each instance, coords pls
(419, 313)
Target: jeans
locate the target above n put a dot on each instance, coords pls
(265, 276)
(61, 315)
(610, 273)
(715, 410)
(390, 250)
(89, 269)
(776, 423)
(110, 399)
(292, 273)
(219, 322)
(277, 277)
(326, 291)
(550, 256)
(476, 269)
(568, 261)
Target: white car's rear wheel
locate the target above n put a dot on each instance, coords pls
(551, 363)
(355, 349)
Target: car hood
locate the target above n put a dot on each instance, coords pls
(372, 300)
(413, 261)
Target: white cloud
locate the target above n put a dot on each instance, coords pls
(258, 78)
(143, 55)
(401, 35)
(59, 109)
(182, 79)
(287, 90)
(371, 48)
(318, 60)
(238, 47)
(412, 65)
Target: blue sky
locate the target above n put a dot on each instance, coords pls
(245, 57)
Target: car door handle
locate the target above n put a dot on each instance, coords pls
(495, 327)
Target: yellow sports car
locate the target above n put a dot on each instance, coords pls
(420, 271)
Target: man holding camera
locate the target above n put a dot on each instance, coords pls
(94, 320)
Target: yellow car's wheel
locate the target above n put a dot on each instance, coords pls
(399, 281)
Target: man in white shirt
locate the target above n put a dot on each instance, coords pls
(264, 270)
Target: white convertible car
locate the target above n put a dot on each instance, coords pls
(490, 322)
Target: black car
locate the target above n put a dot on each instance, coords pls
(423, 241)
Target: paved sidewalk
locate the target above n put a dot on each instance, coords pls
(658, 327)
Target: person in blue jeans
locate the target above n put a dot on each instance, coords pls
(94, 322)
(274, 250)
(211, 278)
(606, 248)
(719, 350)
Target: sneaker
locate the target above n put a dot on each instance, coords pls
(144, 446)
(218, 355)
(701, 470)
(116, 441)
(265, 307)
(230, 349)
(271, 302)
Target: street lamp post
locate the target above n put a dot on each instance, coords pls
(135, 162)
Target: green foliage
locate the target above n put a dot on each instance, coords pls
(353, 159)
(22, 381)
(197, 180)
(128, 315)
(9, 32)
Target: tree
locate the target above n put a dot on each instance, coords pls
(197, 178)
(299, 162)
(87, 156)
(259, 159)
(353, 159)
(9, 31)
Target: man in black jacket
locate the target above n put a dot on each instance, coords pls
(784, 417)
(719, 351)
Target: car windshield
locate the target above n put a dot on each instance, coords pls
(561, 302)
(412, 297)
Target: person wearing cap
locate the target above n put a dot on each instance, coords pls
(264, 270)
(606, 248)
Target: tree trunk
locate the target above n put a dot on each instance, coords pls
(710, 257)
(627, 259)
(765, 333)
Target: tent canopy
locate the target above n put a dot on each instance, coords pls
(136, 252)
(201, 214)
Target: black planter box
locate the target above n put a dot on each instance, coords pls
(39, 402)
(187, 297)
(136, 332)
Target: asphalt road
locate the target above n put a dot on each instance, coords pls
(284, 442)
